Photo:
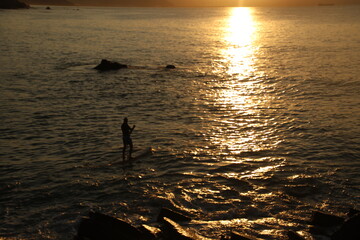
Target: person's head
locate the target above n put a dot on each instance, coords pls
(125, 120)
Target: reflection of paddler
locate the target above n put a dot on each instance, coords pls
(126, 131)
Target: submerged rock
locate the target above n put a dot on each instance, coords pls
(106, 65)
(12, 4)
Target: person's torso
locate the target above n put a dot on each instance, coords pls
(125, 129)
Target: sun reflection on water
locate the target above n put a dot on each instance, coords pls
(236, 99)
(240, 36)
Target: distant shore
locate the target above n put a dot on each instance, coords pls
(170, 3)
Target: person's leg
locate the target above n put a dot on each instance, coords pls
(131, 148)
(124, 151)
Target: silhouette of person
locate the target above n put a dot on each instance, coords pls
(126, 131)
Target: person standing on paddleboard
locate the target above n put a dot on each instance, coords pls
(126, 131)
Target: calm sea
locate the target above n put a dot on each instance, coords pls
(258, 125)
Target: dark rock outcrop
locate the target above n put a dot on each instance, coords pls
(173, 215)
(102, 227)
(170, 66)
(352, 212)
(98, 226)
(174, 231)
(241, 236)
(152, 233)
(106, 65)
(335, 227)
(325, 220)
(12, 4)
(349, 230)
(291, 235)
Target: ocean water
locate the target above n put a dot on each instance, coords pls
(258, 125)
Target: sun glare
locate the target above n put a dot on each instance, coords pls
(240, 36)
(240, 27)
(238, 94)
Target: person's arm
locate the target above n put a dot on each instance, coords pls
(132, 129)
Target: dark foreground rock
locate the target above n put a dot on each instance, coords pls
(12, 4)
(102, 227)
(152, 233)
(173, 215)
(98, 226)
(291, 235)
(106, 65)
(349, 230)
(335, 227)
(325, 220)
(241, 236)
(352, 212)
(172, 225)
(174, 231)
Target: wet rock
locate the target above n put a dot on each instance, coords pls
(352, 212)
(241, 236)
(170, 67)
(173, 215)
(102, 227)
(291, 235)
(174, 231)
(349, 230)
(325, 232)
(152, 233)
(106, 65)
(89, 229)
(12, 4)
(325, 219)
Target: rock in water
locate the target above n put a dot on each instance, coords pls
(170, 66)
(294, 236)
(152, 233)
(102, 227)
(241, 236)
(106, 65)
(174, 231)
(325, 219)
(173, 215)
(12, 4)
(350, 230)
(352, 212)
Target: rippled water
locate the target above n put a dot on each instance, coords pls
(257, 126)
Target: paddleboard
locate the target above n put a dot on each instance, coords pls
(137, 155)
(140, 154)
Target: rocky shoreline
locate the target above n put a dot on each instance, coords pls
(170, 226)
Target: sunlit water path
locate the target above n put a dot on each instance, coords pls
(257, 126)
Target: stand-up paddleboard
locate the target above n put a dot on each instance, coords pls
(136, 156)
